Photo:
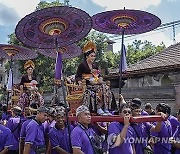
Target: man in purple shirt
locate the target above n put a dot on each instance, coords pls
(148, 108)
(33, 112)
(173, 120)
(142, 130)
(48, 124)
(59, 136)
(161, 139)
(138, 102)
(82, 135)
(35, 141)
(14, 124)
(176, 137)
(5, 138)
(121, 135)
(6, 115)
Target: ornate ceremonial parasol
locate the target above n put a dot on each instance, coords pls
(125, 22)
(14, 52)
(67, 52)
(129, 21)
(65, 24)
(54, 28)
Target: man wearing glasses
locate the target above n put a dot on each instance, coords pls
(142, 130)
(120, 134)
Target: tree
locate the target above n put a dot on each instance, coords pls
(139, 50)
(112, 59)
(43, 4)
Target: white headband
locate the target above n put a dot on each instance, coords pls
(81, 109)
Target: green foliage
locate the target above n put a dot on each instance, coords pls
(111, 58)
(45, 71)
(13, 40)
(44, 4)
(3, 95)
(141, 50)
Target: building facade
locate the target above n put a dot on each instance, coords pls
(154, 80)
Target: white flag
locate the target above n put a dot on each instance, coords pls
(10, 82)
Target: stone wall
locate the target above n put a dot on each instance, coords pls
(152, 88)
(153, 95)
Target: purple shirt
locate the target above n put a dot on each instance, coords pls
(142, 133)
(34, 135)
(23, 128)
(5, 116)
(162, 146)
(174, 123)
(47, 126)
(80, 140)
(144, 113)
(60, 138)
(5, 137)
(14, 124)
(115, 129)
(177, 138)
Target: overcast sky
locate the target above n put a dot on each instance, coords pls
(11, 11)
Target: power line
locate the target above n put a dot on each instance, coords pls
(130, 37)
(160, 28)
(174, 34)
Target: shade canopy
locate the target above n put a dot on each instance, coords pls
(41, 29)
(67, 52)
(14, 52)
(132, 21)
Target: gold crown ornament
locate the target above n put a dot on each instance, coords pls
(89, 46)
(29, 63)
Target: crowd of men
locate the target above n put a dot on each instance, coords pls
(41, 130)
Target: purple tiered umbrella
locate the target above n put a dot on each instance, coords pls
(14, 52)
(129, 21)
(65, 24)
(124, 22)
(54, 28)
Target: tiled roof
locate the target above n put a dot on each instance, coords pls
(168, 59)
